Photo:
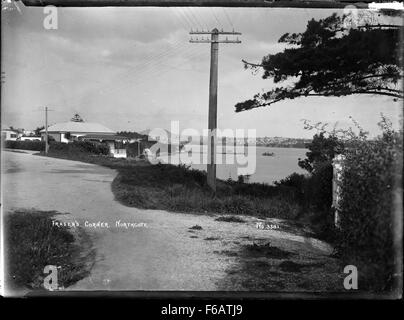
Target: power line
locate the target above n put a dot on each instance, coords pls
(216, 18)
(228, 18)
(186, 18)
(179, 19)
(149, 72)
(143, 66)
(156, 69)
(202, 17)
(197, 19)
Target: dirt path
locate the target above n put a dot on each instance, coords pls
(158, 251)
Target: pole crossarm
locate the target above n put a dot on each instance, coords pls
(219, 41)
(218, 32)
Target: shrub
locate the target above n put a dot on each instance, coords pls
(25, 145)
(294, 180)
(323, 149)
(371, 171)
(79, 147)
(314, 191)
(317, 188)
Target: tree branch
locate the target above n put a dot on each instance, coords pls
(297, 95)
(256, 65)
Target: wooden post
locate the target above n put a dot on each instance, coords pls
(212, 121)
(46, 132)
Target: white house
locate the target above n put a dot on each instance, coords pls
(71, 130)
(87, 131)
(9, 134)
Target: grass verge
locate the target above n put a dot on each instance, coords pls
(32, 243)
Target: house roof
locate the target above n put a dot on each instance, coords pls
(110, 137)
(9, 130)
(79, 127)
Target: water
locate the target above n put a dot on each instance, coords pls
(268, 168)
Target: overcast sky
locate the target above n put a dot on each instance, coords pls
(134, 69)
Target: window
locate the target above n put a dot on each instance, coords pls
(13, 135)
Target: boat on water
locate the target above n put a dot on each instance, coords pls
(269, 154)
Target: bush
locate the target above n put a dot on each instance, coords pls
(371, 171)
(314, 193)
(317, 188)
(79, 147)
(294, 180)
(25, 145)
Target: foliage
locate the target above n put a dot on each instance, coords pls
(372, 170)
(317, 189)
(133, 135)
(322, 150)
(37, 131)
(328, 60)
(294, 180)
(25, 145)
(314, 191)
(79, 147)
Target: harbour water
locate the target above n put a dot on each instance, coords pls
(268, 168)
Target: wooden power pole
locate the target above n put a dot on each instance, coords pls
(212, 118)
(46, 132)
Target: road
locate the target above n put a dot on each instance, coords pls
(160, 253)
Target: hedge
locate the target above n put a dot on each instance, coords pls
(370, 174)
(25, 145)
(79, 147)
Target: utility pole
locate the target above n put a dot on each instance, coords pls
(212, 118)
(46, 132)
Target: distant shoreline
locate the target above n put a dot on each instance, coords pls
(286, 146)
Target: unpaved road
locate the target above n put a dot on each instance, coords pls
(164, 254)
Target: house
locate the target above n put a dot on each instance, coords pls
(72, 130)
(79, 130)
(117, 144)
(9, 134)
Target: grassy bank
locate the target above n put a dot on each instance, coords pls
(32, 242)
(180, 189)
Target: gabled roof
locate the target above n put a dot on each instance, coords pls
(109, 137)
(79, 127)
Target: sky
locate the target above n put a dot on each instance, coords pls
(135, 69)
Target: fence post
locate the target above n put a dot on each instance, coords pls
(337, 165)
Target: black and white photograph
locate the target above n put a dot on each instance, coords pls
(243, 149)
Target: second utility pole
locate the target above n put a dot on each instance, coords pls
(46, 132)
(212, 118)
